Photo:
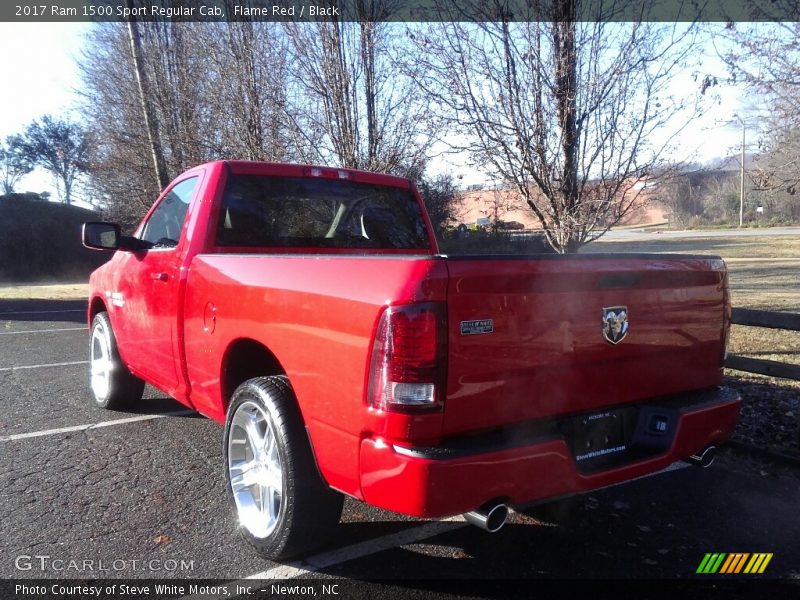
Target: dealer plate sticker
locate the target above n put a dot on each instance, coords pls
(476, 327)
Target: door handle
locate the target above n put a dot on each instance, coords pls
(160, 276)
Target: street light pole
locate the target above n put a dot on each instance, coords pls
(741, 179)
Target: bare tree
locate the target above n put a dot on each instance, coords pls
(442, 200)
(353, 105)
(572, 114)
(181, 97)
(250, 90)
(149, 117)
(56, 145)
(765, 57)
(13, 166)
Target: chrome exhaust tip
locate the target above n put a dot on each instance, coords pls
(705, 458)
(490, 517)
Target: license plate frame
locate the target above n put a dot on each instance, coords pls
(599, 435)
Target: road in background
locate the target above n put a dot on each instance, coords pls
(648, 234)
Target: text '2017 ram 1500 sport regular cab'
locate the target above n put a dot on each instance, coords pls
(309, 309)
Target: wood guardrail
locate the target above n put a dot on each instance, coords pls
(770, 320)
(766, 318)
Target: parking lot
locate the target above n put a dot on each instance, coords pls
(141, 494)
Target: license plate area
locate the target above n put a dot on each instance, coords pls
(602, 439)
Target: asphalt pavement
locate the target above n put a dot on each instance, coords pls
(140, 494)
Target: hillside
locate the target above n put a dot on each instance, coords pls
(40, 241)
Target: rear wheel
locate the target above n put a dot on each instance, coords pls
(283, 506)
(113, 385)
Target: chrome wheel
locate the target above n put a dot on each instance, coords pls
(283, 505)
(113, 385)
(100, 362)
(254, 469)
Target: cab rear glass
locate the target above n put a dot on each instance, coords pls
(260, 211)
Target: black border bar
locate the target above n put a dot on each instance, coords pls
(66, 11)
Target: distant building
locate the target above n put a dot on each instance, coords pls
(482, 207)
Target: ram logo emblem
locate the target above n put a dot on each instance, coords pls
(615, 324)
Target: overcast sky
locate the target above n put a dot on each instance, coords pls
(39, 76)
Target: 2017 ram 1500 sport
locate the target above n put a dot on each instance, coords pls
(309, 309)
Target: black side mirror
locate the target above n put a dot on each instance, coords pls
(101, 236)
(106, 236)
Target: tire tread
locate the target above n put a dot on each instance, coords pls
(312, 509)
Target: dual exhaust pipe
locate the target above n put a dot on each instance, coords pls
(704, 458)
(492, 516)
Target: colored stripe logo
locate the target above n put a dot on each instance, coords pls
(734, 563)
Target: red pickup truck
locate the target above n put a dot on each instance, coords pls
(310, 310)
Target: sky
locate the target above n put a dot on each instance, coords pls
(40, 76)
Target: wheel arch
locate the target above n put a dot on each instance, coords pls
(244, 359)
(247, 358)
(96, 305)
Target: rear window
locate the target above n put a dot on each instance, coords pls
(277, 212)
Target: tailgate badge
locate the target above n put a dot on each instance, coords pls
(476, 327)
(615, 324)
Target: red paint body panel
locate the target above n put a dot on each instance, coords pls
(546, 355)
(437, 488)
(316, 311)
(319, 325)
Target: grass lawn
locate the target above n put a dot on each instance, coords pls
(59, 291)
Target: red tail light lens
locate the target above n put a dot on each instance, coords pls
(408, 359)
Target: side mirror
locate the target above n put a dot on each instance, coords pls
(101, 236)
(106, 236)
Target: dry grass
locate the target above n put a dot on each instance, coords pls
(783, 246)
(61, 291)
(764, 274)
(768, 344)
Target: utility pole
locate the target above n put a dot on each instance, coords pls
(741, 179)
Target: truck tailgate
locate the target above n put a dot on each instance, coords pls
(526, 334)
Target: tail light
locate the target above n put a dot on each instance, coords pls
(407, 369)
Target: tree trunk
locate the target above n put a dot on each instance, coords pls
(148, 115)
(566, 94)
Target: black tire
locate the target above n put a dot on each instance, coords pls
(118, 388)
(306, 512)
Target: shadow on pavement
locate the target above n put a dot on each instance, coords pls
(654, 528)
(158, 405)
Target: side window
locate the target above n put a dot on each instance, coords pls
(163, 228)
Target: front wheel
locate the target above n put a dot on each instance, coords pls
(283, 506)
(113, 385)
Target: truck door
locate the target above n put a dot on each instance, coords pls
(150, 300)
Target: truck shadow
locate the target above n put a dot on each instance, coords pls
(657, 527)
(155, 402)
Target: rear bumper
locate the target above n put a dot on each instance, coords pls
(532, 463)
